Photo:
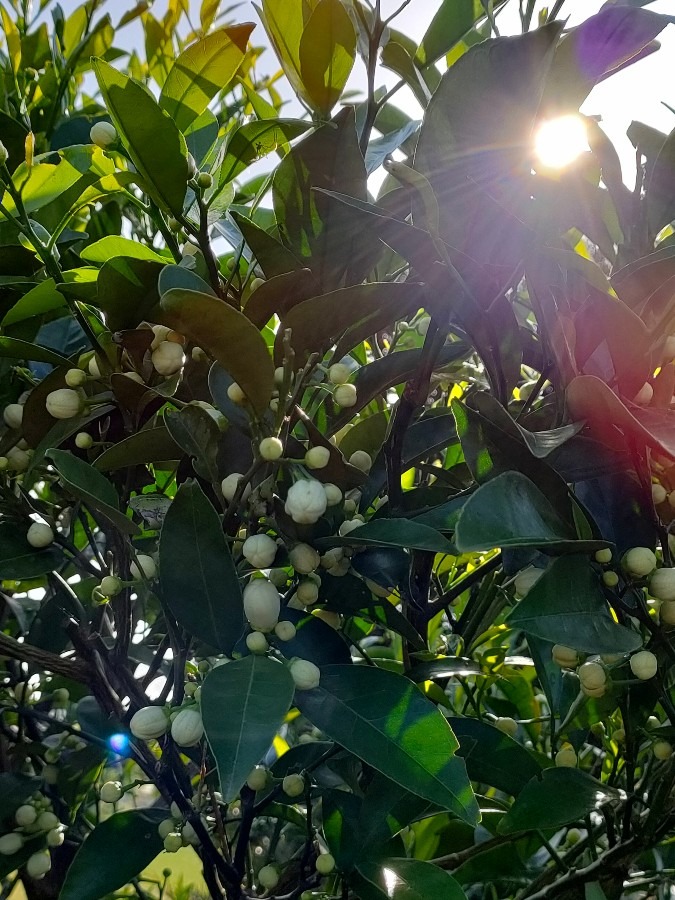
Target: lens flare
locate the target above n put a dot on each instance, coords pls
(560, 141)
(119, 743)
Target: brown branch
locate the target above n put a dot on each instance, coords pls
(51, 662)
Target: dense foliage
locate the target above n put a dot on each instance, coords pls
(334, 527)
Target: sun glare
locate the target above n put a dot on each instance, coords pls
(560, 141)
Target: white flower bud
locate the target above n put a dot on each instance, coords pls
(662, 750)
(94, 368)
(55, 837)
(507, 725)
(566, 757)
(230, 484)
(268, 877)
(17, 460)
(187, 728)
(39, 535)
(111, 792)
(149, 722)
(662, 584)
(639, 561)
(173, 842)
(592, 675)
(279, 376)
(168, 358)
(83, 440)
(603, 556)
(259, 550)
(10, 843)
(306, 501)
(39, 864)
(338, 374)
(110, 586)
(304, 559)
(190, 836)
(278, 577)
(565, 657)
(257, 778)
(46, 821)
(307, 592)
(422, 325)
(13, 415)
(333, 494)
(143, 566)
(644, 395)
(293, 785)
(610, 579)
(325, 863)
(305, 674)
(643, 665)
(25, 815)
(235, 393)
(166, 826)
(75, 378)
(361, 460)
(262, 604)
(64, 403)
(103, 134)
(659, 494)
(271, 448)
(667, 612)
(4, 155)
(285, 631)
(22, 692)
(345, 395)
(317, 457)
(257, 642)
(348, 526)
(50, 774)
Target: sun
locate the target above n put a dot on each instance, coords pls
(558, 142)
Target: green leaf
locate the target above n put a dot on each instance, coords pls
(127, 290)
(115, 852)
(15, 789)
(13, 348)
(395, 533)
(243, 705)
(201, 71)
(453, 19)
(510, 511)
(228, 336)
(18, 560)
(197, 575)
(173, 276)
(567, 606)
(314, 640)
(385, 721)
(43, 298)
(410, 879)
(94, 489)
(196, 433)
(112, 245)
(555, 798)
(155, 143)
(492, 757)
(254, 140)
(326, 54)
(273, 258)
(149, 445)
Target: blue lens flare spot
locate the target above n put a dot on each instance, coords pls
(119, 743)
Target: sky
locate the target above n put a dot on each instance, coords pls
(636, 93)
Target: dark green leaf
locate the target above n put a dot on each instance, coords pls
(340, 816)
(228, 336)
(326, 54)
(94, 489)
(13, 348)
(567, 606)
(395, 533)
(155, 143)
(385, 721)
(492, 757)
(173, 276)
(201, 71)
(18, 560)
(410, 879)
(271, 255)
(556, 797)
(15, 789)
(149, 445)
(243, 706)
(444, 667)
(197, 574)
(127, 290)
(453, 19)
(254, 140)
(196, 433)
(314, 640)
(115, 852)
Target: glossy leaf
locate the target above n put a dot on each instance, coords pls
(116, 851)
(127, 290)
(410, 879)
(452, 20)
(555, 798)
(567, 606)
(228, 336)
(326, 54)
(243, 705)
(314, 640)
(13, 348)
(155, 143)
(273, 258)
(197, 574)
(254, 140)
(90, 486)
(201, 71)
(113, 246)
(385, 721)
(397, 533)
(19, 560)
(149, 445)
(196, 433)
(492, 757)
(509, 511)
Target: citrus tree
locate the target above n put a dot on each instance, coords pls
(334, 526)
